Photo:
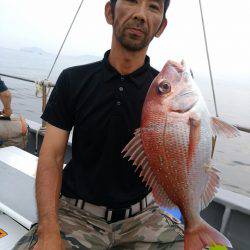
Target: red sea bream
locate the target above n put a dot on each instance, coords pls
(173, 147)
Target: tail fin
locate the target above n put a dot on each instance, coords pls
(204, 236)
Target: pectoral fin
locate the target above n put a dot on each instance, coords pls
(194, 138)
(220, 127)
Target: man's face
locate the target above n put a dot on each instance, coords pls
(136, 22)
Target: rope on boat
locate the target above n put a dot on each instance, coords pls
(214, 138)
(208, 59)
(59, 52)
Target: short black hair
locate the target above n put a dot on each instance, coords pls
(166, 5)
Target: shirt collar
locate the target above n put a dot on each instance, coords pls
(138, 77)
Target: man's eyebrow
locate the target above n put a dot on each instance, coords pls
(158, 1)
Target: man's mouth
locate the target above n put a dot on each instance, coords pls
(136, 31)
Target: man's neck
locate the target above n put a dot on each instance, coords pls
(124, 61)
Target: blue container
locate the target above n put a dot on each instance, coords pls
(175, 212)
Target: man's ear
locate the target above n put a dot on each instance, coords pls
(164, 24)
(108, 13)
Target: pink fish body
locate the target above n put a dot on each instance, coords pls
(173, 147)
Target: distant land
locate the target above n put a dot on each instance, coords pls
(40, 51)
(34, 50)
(35, 63)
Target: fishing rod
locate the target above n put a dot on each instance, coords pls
(243, 129)
(43, 82)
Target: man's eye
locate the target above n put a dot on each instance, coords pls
(154, 7)
(132, 1)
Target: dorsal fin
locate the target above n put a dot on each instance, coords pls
(134, 149)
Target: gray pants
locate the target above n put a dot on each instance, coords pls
(150, 229)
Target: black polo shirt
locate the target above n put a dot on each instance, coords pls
(104, 107)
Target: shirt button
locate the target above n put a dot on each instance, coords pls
(118, 103)
(121, 89)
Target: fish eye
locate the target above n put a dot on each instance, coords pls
(164, 87)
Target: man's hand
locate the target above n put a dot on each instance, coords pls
(50, 241)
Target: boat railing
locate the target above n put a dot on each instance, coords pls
(42, 86)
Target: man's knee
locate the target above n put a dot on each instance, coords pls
(6, 94)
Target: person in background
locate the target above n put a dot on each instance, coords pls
(5, 97)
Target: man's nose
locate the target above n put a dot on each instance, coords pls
(140, 15)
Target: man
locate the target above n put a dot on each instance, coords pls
(104, 204)
(5, 97)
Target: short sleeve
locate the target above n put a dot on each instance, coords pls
(59, 109)
(3, 87)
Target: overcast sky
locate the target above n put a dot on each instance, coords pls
(33, 23)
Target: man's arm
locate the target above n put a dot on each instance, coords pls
(48, 183)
